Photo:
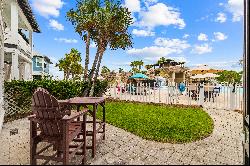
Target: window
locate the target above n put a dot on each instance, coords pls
(39, 62)
(45, 65)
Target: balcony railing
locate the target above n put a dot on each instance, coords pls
(21, 42)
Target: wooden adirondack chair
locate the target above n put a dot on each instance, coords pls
(56, 128)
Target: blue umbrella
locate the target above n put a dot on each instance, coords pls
(139, 75)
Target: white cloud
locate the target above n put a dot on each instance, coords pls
(65, 40)
(48, 8)
(185, 36)
(143, 33)
(236, 7)
(161, 47)
(161, 14)
(219, 36)
(221, 17)
(202, 49)
(133, 5)
(56, 25)
(202, 37)
(173, 43)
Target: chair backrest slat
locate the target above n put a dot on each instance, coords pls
(46, 109)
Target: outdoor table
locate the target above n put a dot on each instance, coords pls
(85, 102)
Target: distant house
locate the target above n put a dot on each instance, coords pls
(19, 24)
(40, 66)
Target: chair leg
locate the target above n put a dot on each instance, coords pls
(84, 139)
(66, 154)
(33, 146)
(65, 144)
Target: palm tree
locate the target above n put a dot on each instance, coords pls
(70, 65)
(120, 70)
(133, 64)
(113, 21)
(148, 66)
(161, 61)
(84, 20)
(140, 64)
(182, 64)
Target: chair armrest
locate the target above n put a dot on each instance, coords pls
(74, 115)
(31, 117)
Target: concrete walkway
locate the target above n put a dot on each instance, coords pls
(121, 147)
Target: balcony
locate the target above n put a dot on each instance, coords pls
(22, 44)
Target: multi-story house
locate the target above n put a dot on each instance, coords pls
(40, 66)
(19, 25)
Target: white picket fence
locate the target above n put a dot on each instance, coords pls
(224, 96)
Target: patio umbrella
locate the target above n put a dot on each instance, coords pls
(139, 75)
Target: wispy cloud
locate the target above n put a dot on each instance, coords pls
(142, 33)
(65, 40)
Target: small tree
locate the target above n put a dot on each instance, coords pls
(229, 76)
(85, 21)
(71, 64)
(107, 24)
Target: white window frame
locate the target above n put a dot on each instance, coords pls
(39, 62)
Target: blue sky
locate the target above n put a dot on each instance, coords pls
(195, 31)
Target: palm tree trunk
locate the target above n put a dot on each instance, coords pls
(95, 63)
(87, 56)
(87, 90)
(96, 73)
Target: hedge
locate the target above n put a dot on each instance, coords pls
(21, 91)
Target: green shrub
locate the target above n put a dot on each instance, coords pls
(21, 91)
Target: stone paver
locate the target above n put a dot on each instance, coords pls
(123, 148)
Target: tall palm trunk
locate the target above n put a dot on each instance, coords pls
(90, 77)
(87, 56)
(96, 73)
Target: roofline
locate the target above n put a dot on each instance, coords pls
(26, 8)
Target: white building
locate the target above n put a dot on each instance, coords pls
(19, 24)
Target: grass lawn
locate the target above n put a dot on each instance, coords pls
(173, 124)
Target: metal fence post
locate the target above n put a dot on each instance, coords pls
(232, 97)
(201, 94)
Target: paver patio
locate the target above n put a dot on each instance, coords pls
(121, 147)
